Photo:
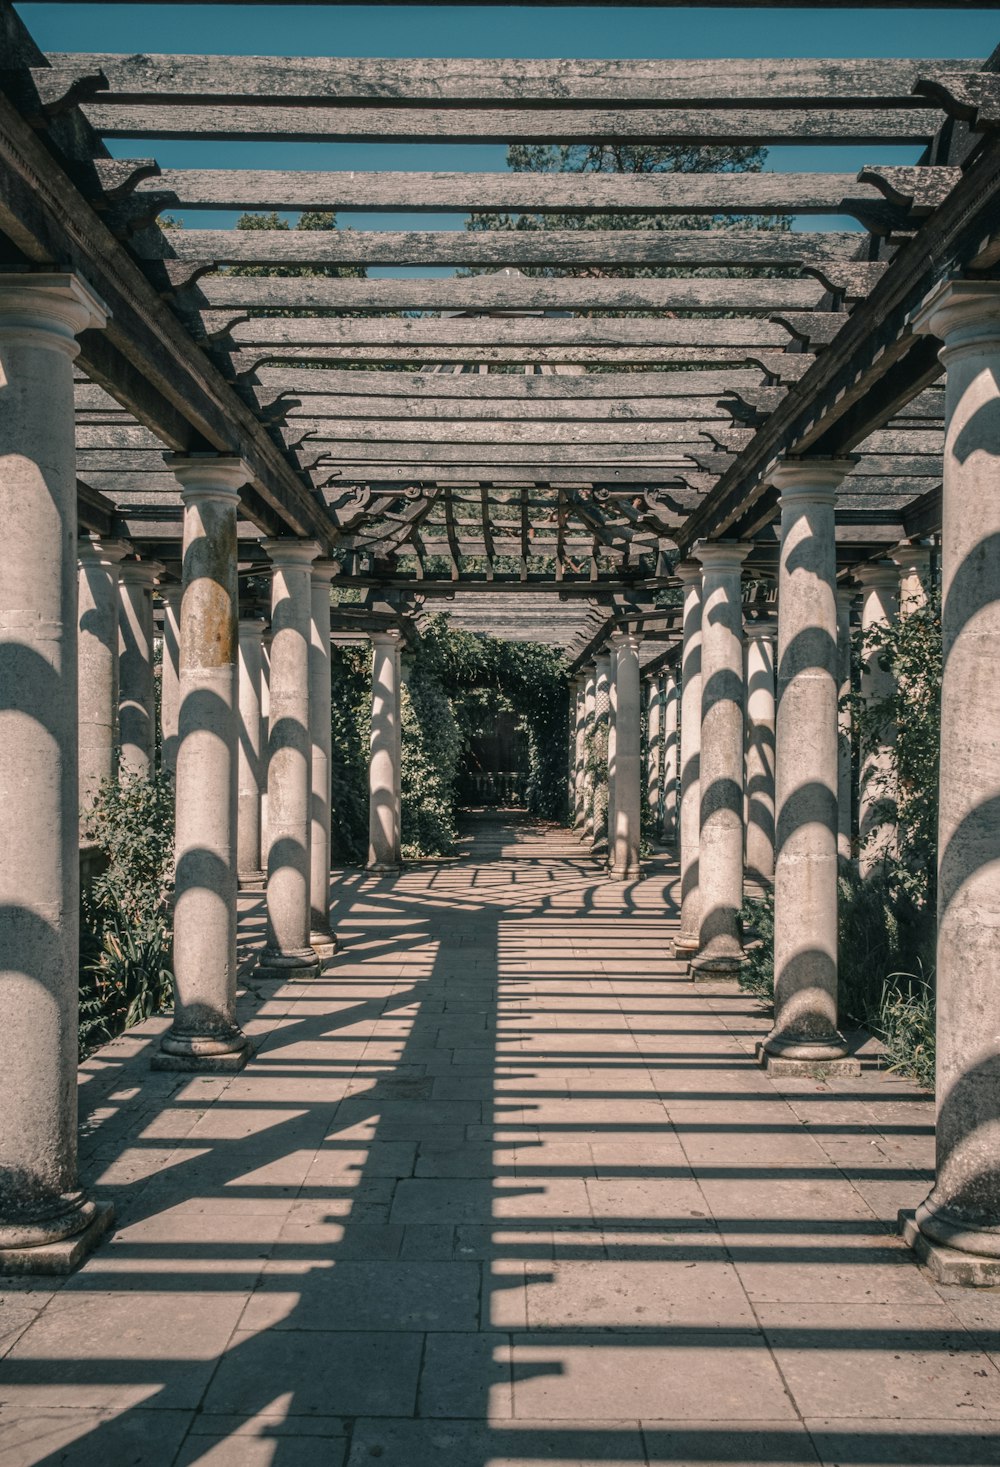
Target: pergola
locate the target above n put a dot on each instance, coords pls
(588, 456)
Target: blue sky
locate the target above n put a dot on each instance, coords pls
(487, 31)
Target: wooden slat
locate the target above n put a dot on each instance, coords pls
(518, 82)
(448, 354)
(316, 412)
(587, 454)
(495, 248)
(514, 331)
(333, 431)
(341, 475)
(479, 390)
(336, 124)
(503, 292)
(484, 193)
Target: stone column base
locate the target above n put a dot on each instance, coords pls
(702, 968)
(62, 1257)
(949, 1265)
(323, 943)
(297, 967)
(252, 880)
(632, 873)
(206, 1064)
(684, 945)
(384, 869)
(816, 1069)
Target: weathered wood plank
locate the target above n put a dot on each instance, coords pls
(479, 389)
(496, 248)
(423, 354)
(341, 124)
(338, 477)
(503, 292)
(316, 412)
(394, 332)
(484, 193)
(475, 82)
(320, 432)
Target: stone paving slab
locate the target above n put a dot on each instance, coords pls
(500, 1188)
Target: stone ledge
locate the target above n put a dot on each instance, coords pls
(778, 1064)
(205, 1064)
(949, 1265)
(62, 1257)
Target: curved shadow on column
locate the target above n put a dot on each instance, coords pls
(31, 687)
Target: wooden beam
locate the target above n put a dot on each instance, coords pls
(247, 360)
(312, 433)
(433, 332)
(316, 413)
(480, 390)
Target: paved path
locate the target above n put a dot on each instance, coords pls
(501, 1189)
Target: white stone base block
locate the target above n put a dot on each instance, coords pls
(252, 880)
(323, 944)
(62, 1257)
(949, 1265)
(815, 1069)
(205, 1064)
(704, 970)
(288, 967)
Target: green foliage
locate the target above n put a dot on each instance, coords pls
(350, 669)
(757, 973)
(311, 221)
(125, 925)
(906, 1023)
(432, 752)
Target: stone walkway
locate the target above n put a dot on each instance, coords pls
(501, 1189)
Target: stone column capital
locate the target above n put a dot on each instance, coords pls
(760, 631)
(208, 475)
(912, 557)
(324, 570)
(602, 663)
(49, 310)
(143, 573)
(878, 575)
(688, 572)
(93, 550)
(846, 596)
(721, 555)
(630, 640)
(252, 626)
(810, 480)
(290, 552)
(172, 594)
(391, 638)
(965, 314)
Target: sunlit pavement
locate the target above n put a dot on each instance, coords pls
(501, 1188)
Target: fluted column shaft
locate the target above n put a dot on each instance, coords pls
(914, 564)
(41, 1203)
(722, 695)
(288, 953)
(628, 756)
(383, 767)
(760, 753)
(963, 1210)
(136, 688)
(250, 778)
(805, 877)
(686, 941)
(98, 663)
(877, 794)
(321, 937)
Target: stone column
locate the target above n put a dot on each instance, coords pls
(845, 727)
(287, 953)
(805, 879)
(654, 751)
(47, 1223)
(250, 769)
(136, 691)
(265, 725)
(602, 719)
(612, 751)
(589, 707)
(383, 767)
(689, 575)
(914, 564)
(98, 662)
(628, 756)
(959, 1222)
(722, 694)
(204, 1034)
(579, 705)
(760, 752)
(877, 796)
(671, 752)
(321, 937)
(170, 678)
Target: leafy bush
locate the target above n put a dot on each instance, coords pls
(757, 973)
(432, 750)
(125, 926)
(906, 1024)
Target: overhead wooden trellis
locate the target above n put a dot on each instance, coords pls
(517, 435)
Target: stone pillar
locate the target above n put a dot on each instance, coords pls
(722, 694)
(170, 678)
(877, 796)
(98, 662)
(250, 770)
(686, 941)
(589, 707)
(805, 879)
(671, 752)
(287, 953)
(579, 707)
(959, 1222)
(760, 752)
(602, 720)
(845, 727)
(321, 938)
(47, 1223)
(654, 751)
(265, 725)
(914, 564)
(628, 756)
(204, 1034)
(136, 690)
(612, 751)
(383, 766)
